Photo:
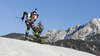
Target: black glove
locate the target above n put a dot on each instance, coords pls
(35, 20)
(37, 15)
(22, 18)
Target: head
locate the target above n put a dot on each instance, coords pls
(33, 13)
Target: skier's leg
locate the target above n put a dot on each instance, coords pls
(34, 30)
(27, 31)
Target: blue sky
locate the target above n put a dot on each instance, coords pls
(54, 14)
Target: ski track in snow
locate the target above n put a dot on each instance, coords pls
(13, 47)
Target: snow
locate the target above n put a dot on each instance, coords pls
(13, 47)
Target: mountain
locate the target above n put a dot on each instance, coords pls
(78, 32)
(54, 35)
(13, 47)
(72, 30)
(93, 37)
(89, 28)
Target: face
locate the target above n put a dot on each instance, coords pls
(33, 16)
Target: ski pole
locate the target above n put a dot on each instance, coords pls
(18, 17)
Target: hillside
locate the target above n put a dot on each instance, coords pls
(13, 47)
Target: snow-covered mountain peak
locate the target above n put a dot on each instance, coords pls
(52, 31)
(77, 32)
(94, 21)
(78, 25)
(92, 26)
(54, 35)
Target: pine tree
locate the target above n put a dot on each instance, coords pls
(39, 28)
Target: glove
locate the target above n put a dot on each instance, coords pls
(35, 20)
(22, 18)
(37, 15)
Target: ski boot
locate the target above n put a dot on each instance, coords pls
(37, 37)
(25, 38)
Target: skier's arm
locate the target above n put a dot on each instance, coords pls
(37, 17)
(23, 15)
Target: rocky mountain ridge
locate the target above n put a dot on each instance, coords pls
(78, 32)
(54, 35)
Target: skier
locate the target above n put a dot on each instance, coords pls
(30, 19)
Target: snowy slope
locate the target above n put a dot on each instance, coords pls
(13, 47)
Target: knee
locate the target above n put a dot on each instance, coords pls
(27, 31)
(33, 26)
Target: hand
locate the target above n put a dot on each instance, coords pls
(37, 15)
(35, 20)
(22, 18)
